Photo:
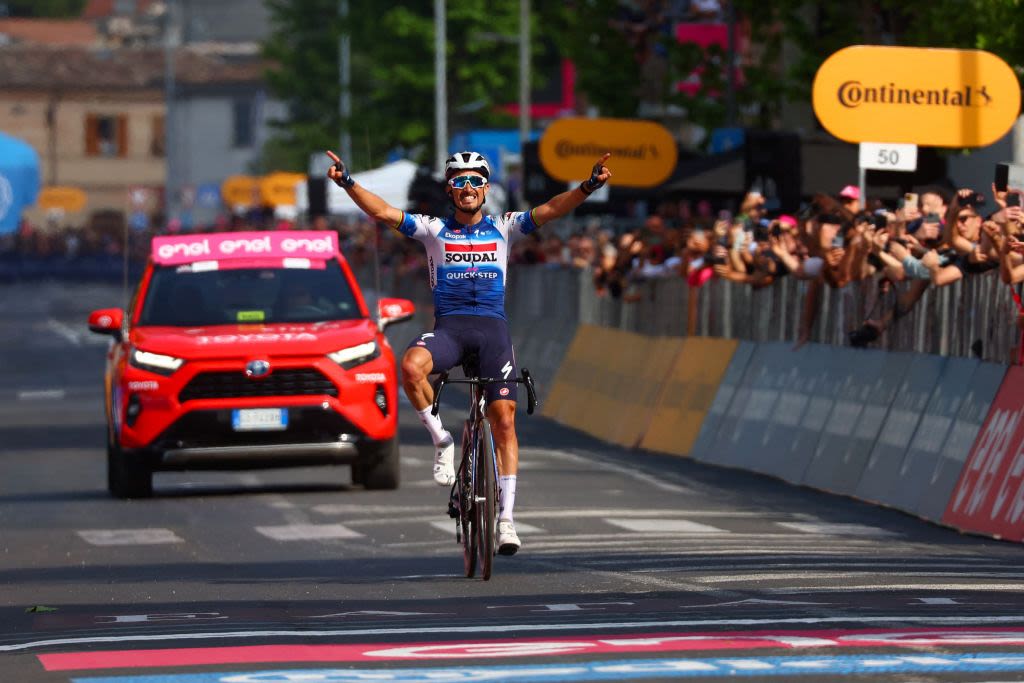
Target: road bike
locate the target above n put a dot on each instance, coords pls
(473, 502)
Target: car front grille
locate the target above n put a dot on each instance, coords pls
(298, 382)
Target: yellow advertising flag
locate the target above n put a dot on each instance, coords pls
(70, 199)
(644, 153)
(925, 96)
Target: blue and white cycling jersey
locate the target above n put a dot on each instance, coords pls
(468, 264)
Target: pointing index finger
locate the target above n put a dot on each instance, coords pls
(605, 158)
(334, 157)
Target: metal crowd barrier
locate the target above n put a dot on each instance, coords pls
(973, 317)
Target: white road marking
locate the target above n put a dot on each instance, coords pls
(665, 526)
(375, 510)
(506, 629)
(905, 587)
(151, 536)
(885, 579)
(597, 463)
(41, 395)
(307, 532)
(66, 331)
(827, 529)
(448, 526)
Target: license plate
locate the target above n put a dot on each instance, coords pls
(259, 419)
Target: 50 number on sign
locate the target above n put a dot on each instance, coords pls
(888, 157)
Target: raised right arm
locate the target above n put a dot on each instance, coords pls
(372, 205)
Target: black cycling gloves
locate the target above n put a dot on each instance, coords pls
(592, 183)
(346, 177)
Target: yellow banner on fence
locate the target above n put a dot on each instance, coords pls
(687, 394)
(610, 381)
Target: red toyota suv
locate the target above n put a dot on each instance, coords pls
(249, 350)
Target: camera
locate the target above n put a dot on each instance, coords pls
(1013, 198)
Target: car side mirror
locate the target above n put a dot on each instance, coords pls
(107, 321)
(390, 311)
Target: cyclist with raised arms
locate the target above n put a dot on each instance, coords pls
(467, 259)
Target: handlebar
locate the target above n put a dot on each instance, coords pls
(527, 379)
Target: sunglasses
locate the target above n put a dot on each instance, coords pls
(460, 181)
(964, 217)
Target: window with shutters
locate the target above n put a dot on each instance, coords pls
(157, 143)
(106, 135)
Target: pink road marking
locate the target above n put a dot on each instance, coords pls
(534, 647)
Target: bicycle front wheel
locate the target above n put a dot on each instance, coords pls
(466, 505)
(486, 497)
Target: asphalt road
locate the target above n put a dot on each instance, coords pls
(634, 565)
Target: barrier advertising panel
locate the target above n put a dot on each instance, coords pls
(922, 456)
(705, 447)
(747, 415)
(880, 482)
(974, 407)
(989, 496)
(862, 398)
(639, 385)
(789, 383)
(687, 394)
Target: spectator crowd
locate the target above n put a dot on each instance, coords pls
(929, 238)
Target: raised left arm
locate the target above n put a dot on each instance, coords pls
(563, 203)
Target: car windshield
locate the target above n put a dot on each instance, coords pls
(182, 298)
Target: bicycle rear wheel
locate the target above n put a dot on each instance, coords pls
(486, 497)
(466, 504)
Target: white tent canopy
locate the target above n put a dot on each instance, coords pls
(391, 182)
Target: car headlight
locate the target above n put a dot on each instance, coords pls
(355, 355)
(155, 362)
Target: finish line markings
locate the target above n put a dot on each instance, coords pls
(928, 622)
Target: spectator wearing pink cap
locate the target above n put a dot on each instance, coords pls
(849, 197)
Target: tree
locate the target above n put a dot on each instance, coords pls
(53, 9)
(392, 65)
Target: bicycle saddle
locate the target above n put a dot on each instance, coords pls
(471, 364)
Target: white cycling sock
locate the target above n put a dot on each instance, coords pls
(507, 496)
(438, 433)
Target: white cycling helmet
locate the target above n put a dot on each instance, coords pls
(467, 161)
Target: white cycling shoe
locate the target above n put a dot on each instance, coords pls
(444, 463)
(508, 539)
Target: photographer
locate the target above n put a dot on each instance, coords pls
(1011, 251)
(968, 249)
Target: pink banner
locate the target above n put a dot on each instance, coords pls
(180, 249)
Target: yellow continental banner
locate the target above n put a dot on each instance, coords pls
(240, 190)
(687, 394)
(644, 153)
(278, 189)
(69, 199)
(924, 96)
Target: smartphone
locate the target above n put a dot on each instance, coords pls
(837, 241)
(1002, 176)
(932, 218)
(1013, 198)
(910, 199)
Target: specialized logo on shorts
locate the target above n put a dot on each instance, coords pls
(471, 253)
(506, 369)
